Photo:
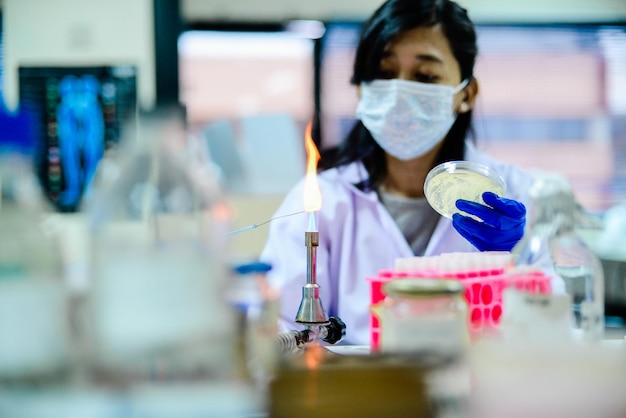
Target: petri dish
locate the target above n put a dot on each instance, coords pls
(453, 180)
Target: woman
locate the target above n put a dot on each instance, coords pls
(414, 73)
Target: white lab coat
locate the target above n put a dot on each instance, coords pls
(357, 238)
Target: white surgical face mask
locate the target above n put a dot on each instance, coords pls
(407, 118)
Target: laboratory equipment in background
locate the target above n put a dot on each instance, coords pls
(484, 275)
(423, 315)
(256, 308)
(536, 318)
(157, 333)
(156, 306)
(553, 222)
(35, 330)
(610, 245)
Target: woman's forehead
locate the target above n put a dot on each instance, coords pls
(424, 43)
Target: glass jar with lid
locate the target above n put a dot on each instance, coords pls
(423, 315)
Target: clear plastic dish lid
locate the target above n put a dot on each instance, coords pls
(453, 180)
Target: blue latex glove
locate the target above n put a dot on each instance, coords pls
(502, 226)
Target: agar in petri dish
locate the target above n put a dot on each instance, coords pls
(453, 180)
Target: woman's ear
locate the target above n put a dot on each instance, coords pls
(469, 96)
(358, 91)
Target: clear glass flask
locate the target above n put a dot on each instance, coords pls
(551, 242)
(156, 309)
(35, 331)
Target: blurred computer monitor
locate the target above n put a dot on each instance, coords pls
(78, 114)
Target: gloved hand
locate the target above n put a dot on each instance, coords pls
(502, 226)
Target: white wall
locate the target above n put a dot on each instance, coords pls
(480, 10)
(79, 32)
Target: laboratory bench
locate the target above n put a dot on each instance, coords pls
(491, 380)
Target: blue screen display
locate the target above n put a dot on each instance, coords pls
(78, 114)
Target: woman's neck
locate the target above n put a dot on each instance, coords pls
(406, 178)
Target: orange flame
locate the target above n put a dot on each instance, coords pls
(312, 194)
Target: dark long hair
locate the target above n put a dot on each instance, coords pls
(393, 17)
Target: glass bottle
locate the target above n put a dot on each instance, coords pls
(552, 243)
(427, 321)
(424, 315)
(156, 308)
(256, 309)
(35, 333)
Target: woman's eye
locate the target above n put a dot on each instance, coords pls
(426, 78)
(385, 74)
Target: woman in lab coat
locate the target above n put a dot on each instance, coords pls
(414, 72)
